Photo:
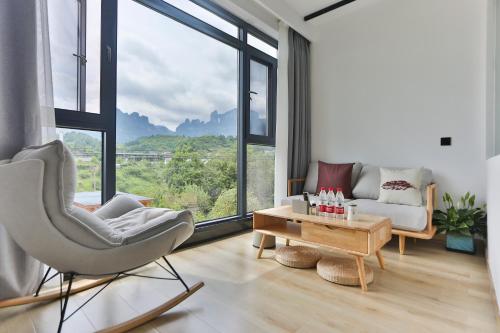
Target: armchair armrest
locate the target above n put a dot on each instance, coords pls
(293, 181)
(431, 204)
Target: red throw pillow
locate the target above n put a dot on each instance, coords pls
(335, 175)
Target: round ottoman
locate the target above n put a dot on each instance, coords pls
(342, 271)
(298, 256)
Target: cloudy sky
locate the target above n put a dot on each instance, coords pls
(166, 71)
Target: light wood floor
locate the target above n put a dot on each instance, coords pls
(428, 290)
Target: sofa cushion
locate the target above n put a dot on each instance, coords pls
(368, 184)
(311, 182)
(336, 176)
(288, 200)
(400, 186)
(411, 218)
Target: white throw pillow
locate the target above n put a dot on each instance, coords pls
(400, 186)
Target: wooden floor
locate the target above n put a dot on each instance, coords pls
(427, 290)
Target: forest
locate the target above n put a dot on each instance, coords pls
(178, 172)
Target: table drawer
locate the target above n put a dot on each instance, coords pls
(341, 238)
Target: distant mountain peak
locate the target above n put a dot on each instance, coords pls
(131, 126)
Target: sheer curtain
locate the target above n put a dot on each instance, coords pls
(26, 116)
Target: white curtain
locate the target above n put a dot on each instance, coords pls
(26, 116)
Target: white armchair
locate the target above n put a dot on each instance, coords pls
(36, 207)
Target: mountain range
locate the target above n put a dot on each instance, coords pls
(131, 126)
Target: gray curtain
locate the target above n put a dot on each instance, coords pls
(299, 105)
(26, 116)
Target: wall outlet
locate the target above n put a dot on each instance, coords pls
(446, 141)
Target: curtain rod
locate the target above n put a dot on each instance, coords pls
(327, 9)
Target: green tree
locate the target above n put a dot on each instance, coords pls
(185, 168)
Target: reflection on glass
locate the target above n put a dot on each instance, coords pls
(258, 98)
(177, 94)
(205, 15)
(259, 44)
(260, 177)
(93, 55)
(63, 34)
(86, 147)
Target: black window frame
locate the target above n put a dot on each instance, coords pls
(105, 121)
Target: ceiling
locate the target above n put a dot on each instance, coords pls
(305, 7)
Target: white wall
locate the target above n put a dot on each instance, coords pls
(493, 171)
(392, 77)
(494, 221)
(281, 155)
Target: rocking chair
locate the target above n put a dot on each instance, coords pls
(36, 207)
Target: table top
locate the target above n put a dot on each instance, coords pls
(362, 221)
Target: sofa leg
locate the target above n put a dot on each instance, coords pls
(402, 243)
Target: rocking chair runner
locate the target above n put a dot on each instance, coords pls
(36, 207)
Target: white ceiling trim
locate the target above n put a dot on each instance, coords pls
(287, 14)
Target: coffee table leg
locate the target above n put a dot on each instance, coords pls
(261, 248)
(380, 259)
(287, 242)
(361, 271)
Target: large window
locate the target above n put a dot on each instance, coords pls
(179, 97)
(74, 30)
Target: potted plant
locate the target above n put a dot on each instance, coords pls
(460, 222)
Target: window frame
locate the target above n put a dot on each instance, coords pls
(105, 121)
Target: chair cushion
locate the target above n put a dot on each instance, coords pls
(336, 176)
(117, 206)
(412, 218)
(401, 186)
(368, 184)
(311, 182)
(145, 222)
(136, 225)
(98, 227)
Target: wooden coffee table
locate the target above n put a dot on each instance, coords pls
(360, 238)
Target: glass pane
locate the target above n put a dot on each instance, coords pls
(259, 44)
(86, 147)
(258, 98)
(93, 55)
(63, 34)
(205, 15)
(177, 97)
(260, 177)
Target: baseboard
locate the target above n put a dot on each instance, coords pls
(492, 288)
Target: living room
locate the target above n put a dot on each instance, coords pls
(153, 140)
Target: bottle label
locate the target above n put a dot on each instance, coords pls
(322, 208)
(339, 210)
(330, 209)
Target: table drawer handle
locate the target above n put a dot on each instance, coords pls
(331, 227)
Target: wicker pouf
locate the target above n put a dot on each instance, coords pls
(342, 271)
(298, 256)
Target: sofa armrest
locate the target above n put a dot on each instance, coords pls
(431, 204)
(293, 181)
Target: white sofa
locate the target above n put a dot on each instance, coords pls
(407, 221)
